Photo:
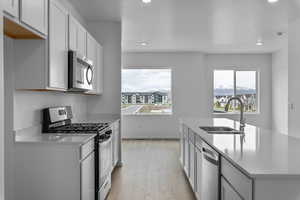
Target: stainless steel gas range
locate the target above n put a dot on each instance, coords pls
(59, 120)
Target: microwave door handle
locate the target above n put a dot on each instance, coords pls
(89, 79)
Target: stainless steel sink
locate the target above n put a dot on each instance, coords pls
(220, 130)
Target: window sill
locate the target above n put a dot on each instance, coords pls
(148, 114)
(237, 113)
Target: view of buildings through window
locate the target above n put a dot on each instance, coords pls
(146, 91)
(229, 83)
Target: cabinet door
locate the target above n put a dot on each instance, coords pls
(181, 144)
(186, 153)
(116, 143)
(100, 70)
(91, 48)
(34, 13)
(198, 169)
(192, 164)
(58, 44)
(227, 192)
(73, 33)
(88, 178)
(92, 55)
(12, 7)
(77, 36)
(81, 40)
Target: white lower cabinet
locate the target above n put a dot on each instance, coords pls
(88, 178)
(192, 159)
(55, 171)
(186, 152)
(238, 180)
(198, 168)
(181, 137)
(227, 192)
(116, 143)
(235, 185)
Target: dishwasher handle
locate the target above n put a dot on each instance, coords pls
(210, 156)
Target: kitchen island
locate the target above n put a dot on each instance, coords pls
(258, 165)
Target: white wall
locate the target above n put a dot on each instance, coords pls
(260, 62)
(2, 132)
(192, 89)
(294, 80)
(109, 36)
(280, 90)
(189, 91)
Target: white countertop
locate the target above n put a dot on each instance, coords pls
(52, 138)
(99, 118)
(262, 153)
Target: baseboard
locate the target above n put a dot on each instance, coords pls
(162, 139)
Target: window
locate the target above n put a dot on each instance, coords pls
(146, 91)
(229, 83)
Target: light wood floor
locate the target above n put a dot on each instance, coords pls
(151, 171)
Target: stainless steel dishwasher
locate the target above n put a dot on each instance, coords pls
(210, 173)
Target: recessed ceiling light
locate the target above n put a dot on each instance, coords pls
(273, 1)
(259, 43)
(144, 43)
(149, 1)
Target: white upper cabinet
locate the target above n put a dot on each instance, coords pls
(12, 7)
(58, 44)
(77, 36)
(95, 54)
(34, 13)
(99, 72)
(92, 55)
(91, 48)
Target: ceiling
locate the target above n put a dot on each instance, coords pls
(222, 26)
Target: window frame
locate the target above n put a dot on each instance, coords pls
(154, 68)
(257, 87)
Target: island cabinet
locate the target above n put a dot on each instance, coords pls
(192, 158)
(235, 185)
(186, 162)
(198, 167)
(228, 192)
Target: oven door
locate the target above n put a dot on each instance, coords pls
(105, 160)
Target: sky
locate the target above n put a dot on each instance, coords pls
(244, 79)
(146, 80)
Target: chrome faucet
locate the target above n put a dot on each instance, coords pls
(242, 120)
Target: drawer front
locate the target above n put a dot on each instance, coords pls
(87, 148)
(241, 183)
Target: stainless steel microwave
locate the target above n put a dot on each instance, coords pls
(81, 72)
